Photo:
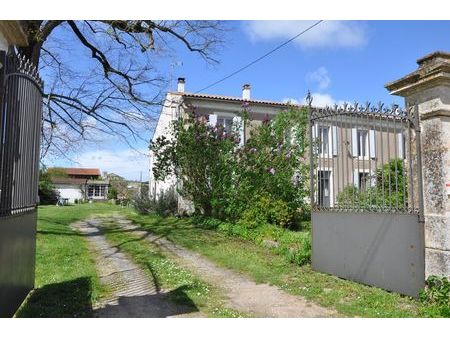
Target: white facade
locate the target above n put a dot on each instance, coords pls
(69, 191)
(169, 113)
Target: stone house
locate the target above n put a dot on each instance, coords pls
(358, 149)
(349, 151)
(218, 109)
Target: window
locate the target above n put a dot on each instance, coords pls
(96, 191)
(226, 122)
(363, 180)
(362, 136)
(323, 140)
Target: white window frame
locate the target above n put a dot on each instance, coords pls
(370, 146)
(332, 138)
(331, 177)
(356, 172)
(359, 139)
(217, 117)
(320, 134)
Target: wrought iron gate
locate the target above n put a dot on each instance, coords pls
(20, 128)
(366, 195)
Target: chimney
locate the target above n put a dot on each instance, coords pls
(181, 83)
(246, 92)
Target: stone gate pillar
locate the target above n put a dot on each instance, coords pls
(429, 88)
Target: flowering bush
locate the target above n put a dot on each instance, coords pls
(271, 168)
(263, 181)
(200, 156)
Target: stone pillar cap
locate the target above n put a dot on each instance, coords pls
(433, 58)
(432, 67)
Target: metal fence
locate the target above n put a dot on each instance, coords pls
(20, 128)
(366, 195)
(365, 158)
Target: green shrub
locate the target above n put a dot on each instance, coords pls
(143, 205)
(388, 191)
(295, 246)
(436, 296)
(166, 204)
(46, 189)
(263, 181)
(266, 210)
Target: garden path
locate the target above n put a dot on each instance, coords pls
(244, 295)
(131, 292)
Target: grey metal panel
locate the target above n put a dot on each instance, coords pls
(17, 260)
(379, 249)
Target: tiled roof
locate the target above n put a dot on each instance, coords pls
(232, 98)
(68, 180)
(82, 171)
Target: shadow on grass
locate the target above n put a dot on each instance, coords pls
(160, 305)
(66, 299)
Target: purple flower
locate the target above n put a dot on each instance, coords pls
(245, 104)
(295, 179)
(266, 119)
(271, 171)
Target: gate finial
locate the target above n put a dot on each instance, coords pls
(309, 98)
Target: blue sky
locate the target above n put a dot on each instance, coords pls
(337, 60)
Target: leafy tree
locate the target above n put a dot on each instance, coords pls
(201, 157)
(47, 193)
(103, 76)
(272, 163)
(269, 173)
(112, 193)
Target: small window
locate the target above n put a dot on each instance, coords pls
(362, 136)
(323, 140)
(363, 181)
(226, 122)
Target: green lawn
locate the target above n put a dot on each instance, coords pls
(348, 298)
(66, 282)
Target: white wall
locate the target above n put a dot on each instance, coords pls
(71, 192)
(168, 114)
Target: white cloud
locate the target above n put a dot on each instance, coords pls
(319, 100)
(320, 76)
(326, 34)
(290, 100)
(127, 163)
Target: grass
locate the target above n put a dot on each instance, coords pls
(264, 266)
(167, 274)
(66, 283)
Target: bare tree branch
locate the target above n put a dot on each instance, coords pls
(116, 89)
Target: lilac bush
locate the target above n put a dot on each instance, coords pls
(265, 178)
